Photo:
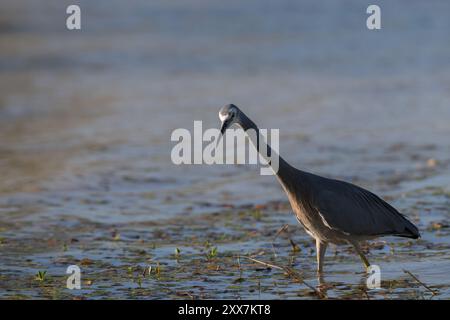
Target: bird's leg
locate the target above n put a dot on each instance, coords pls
(361, 254)
(321, 247)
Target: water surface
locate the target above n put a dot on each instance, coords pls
(85, 124)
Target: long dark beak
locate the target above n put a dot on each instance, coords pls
(224, 127)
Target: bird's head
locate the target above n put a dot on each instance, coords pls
(228, 115)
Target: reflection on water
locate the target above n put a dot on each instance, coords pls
(86, 117)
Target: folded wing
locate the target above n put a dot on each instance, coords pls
(356, 211)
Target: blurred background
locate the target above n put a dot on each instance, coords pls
(86, 116)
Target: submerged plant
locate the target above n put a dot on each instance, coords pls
(40, 275)
(154, 270)
(212, 253)
(256, 214)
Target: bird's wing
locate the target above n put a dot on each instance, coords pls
(356, 211)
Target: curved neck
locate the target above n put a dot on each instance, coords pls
(281, 168)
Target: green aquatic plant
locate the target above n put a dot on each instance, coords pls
(116, 236)
(158, 269)
(295, 247)
(139, 282)
(212, 253)
(207, 244)
(130, 269)
(256, 214)
(155, 270)
(40, 275)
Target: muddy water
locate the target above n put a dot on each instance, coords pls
(85, 124)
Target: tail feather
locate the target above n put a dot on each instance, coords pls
(411, 231)
(414, 234)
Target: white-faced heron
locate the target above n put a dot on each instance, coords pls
(330, 210)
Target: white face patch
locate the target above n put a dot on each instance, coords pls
(223, 117)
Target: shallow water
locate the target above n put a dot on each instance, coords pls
(85, 124)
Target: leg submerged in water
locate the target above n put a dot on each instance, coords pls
(321, 247)
(361, 254)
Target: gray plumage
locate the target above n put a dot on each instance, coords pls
(330, 210)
